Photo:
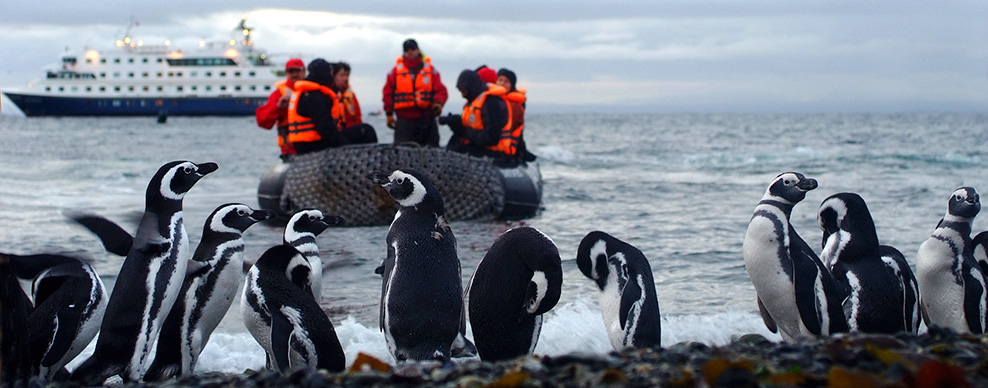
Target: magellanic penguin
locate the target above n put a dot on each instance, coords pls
(17, 356)
(253, 302)
(150, 279)
(878, 289)
(628, 302)
(519, 279)
(951, 283)
(207, 292)
(306, 270)
(421, 295)
(796, 293)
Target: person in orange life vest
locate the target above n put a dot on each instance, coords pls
(516, 100)
(486, 74)
(314, 113)
(478, 130)
(413, 97)
(275, 110)
(352, 120)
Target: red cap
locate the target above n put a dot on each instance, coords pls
(487, 74)
(295, 63)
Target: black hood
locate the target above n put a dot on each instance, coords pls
(320, 72)
(471, 82)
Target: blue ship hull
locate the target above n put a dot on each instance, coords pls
(35, 105)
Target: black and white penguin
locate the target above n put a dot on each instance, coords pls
(306, 270)
(149, 281)
(17, 357)
(878, 288)
(796, 293)
(297, 333)
(255, 314)
(519, 279)
(628, 302)
(951, 284)
(207, 293)
(421, 295)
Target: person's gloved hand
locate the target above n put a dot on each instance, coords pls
(391, 121)
(437, 108)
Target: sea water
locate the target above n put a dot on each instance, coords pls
(680, 187)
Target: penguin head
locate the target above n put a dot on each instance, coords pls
(541, 256)
(592, 257)
(309, 222)
(409, 188)
(845, 220)
(790, 187)
(235, 218)
(964, 203)
(173, 180)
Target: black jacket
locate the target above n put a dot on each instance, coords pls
(319, 108)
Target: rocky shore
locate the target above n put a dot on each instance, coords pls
(938, 358)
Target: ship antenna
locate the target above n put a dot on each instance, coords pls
(245, 31)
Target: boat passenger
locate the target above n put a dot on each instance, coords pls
(486, 74)
(487, 126)
(351, 119)
(275, 110)
(413, 97)
(516, 100)
(314, 113)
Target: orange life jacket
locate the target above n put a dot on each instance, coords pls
(413, 90)
(283, 143)
(511, 132)
(301, 129)
(348, 104)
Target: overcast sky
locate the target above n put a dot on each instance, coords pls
(637, 56)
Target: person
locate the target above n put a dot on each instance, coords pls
(487, 127)
(486, 74)
(413, 97)
(275, 110)
(352, 119)
(314, 113)
(516, 100)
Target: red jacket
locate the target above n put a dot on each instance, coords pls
(269, 115)
(441, 95)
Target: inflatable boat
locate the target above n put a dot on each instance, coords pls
(335, 181)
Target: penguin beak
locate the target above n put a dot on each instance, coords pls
(261, 215)
(807, 184)
(379, 178)
(206, 168)
(333, 220)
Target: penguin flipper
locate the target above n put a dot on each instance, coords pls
(281, 333)
(974, 297)
(115, 239)
(66, 324)
(805, 276)
(769, 322)
(630, 299)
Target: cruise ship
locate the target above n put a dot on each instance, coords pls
(220, 78)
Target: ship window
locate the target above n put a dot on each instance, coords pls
(160, 60)
(145, 60)
(208, 88)
(179, 74)
(171, 74)
(116, 60)
(102, 88)
(130, 75)
(237, 88)
(130, 88)
(102, 60)
(75, 88)
(209, 74)
(161, 89)
(223, 87)
(193, 74)
(130, 60)
(144, 74)
(89, 88)
(116, 88)
(178, 88)
(251, 74)
(102, 75)
(194, 88)
(222, 74)
(267, 88)
(89, 60)
(253, 87)
(159, 74)
(61, 88)
(116, 74)
(236, 74)
(47, 88)
(145, 88)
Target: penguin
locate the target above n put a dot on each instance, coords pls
(951, 284)
(255, 313)
(421, 293)
(149, 281)
(796, 293)
(878, 289)
(518, 280)
(628, 302)
(306, 270)
(18, 357)
(293, 330)
(207, 293)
